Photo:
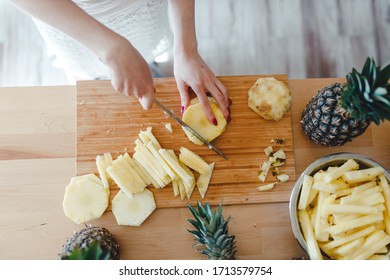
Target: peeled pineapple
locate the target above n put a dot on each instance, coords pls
(85, 199)
(195, 117)
(133, 211)
(269, 98)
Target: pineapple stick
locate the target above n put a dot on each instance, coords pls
(193, 161)
(154, 150)
(172, 161)
(153, 162)
(146, 165)
(138, 170)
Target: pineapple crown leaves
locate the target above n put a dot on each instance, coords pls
(211, 232)
(93, 252)
(367, 94)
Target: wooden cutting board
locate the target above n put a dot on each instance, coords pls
(110, 122)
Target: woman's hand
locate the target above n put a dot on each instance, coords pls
(192, 72)
(130, 74)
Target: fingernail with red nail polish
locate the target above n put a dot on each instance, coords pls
(215, 122)
(229, 119)
(182, 110)
(230, 101)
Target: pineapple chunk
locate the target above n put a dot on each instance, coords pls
(168, 126)
(84, 199)
(283, 177)
(195, 117)
(264, 169)
(268, 151)
(279, 154)
(266, 187)
(193, 161)
(133, 211)
(204, 180)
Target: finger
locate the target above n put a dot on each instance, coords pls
(146, 100)
(221, 100)
(184, 95)
(223, 90)
(206, 105)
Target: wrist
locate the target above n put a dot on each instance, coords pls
(185, 49)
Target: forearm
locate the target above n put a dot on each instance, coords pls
(182, 14)
(70, 19)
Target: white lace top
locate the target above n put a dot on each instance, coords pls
(143, 22)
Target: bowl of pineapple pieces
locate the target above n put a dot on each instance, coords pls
(340, 208)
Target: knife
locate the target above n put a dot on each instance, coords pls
(186, 126)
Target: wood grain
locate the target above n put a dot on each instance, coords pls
(109, 122)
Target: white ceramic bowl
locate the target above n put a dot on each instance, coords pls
(322, 163)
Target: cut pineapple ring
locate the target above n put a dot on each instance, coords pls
(195, 117)
(84, 199)
(133, 211)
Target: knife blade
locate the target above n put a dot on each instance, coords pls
(186, 126)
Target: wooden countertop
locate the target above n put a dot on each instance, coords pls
(37, 159)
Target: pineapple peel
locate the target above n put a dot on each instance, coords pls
(269, 98)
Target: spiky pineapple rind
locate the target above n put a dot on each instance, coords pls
(83, 239)
(211, 232)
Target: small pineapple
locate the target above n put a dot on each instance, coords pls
(341, 112)
(212, 232)
(91, 243)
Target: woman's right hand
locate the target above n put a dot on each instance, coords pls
(130, 73)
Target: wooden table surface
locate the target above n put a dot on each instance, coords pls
(37, 159)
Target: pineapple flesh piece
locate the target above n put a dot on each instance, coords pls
(341, 112)
(84, 200)
(195, 117)
(204, 180)
(133, 211)
(193, 161)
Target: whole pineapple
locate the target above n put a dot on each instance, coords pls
(341, 112)
(212, 232)
(91, 243)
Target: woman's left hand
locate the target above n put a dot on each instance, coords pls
(191, 71)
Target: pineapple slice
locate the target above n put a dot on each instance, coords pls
(193, 161)
(102, 162)
(84, 199)
(125, 177)
(195, 117)
(204, 180)
(133, 211)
